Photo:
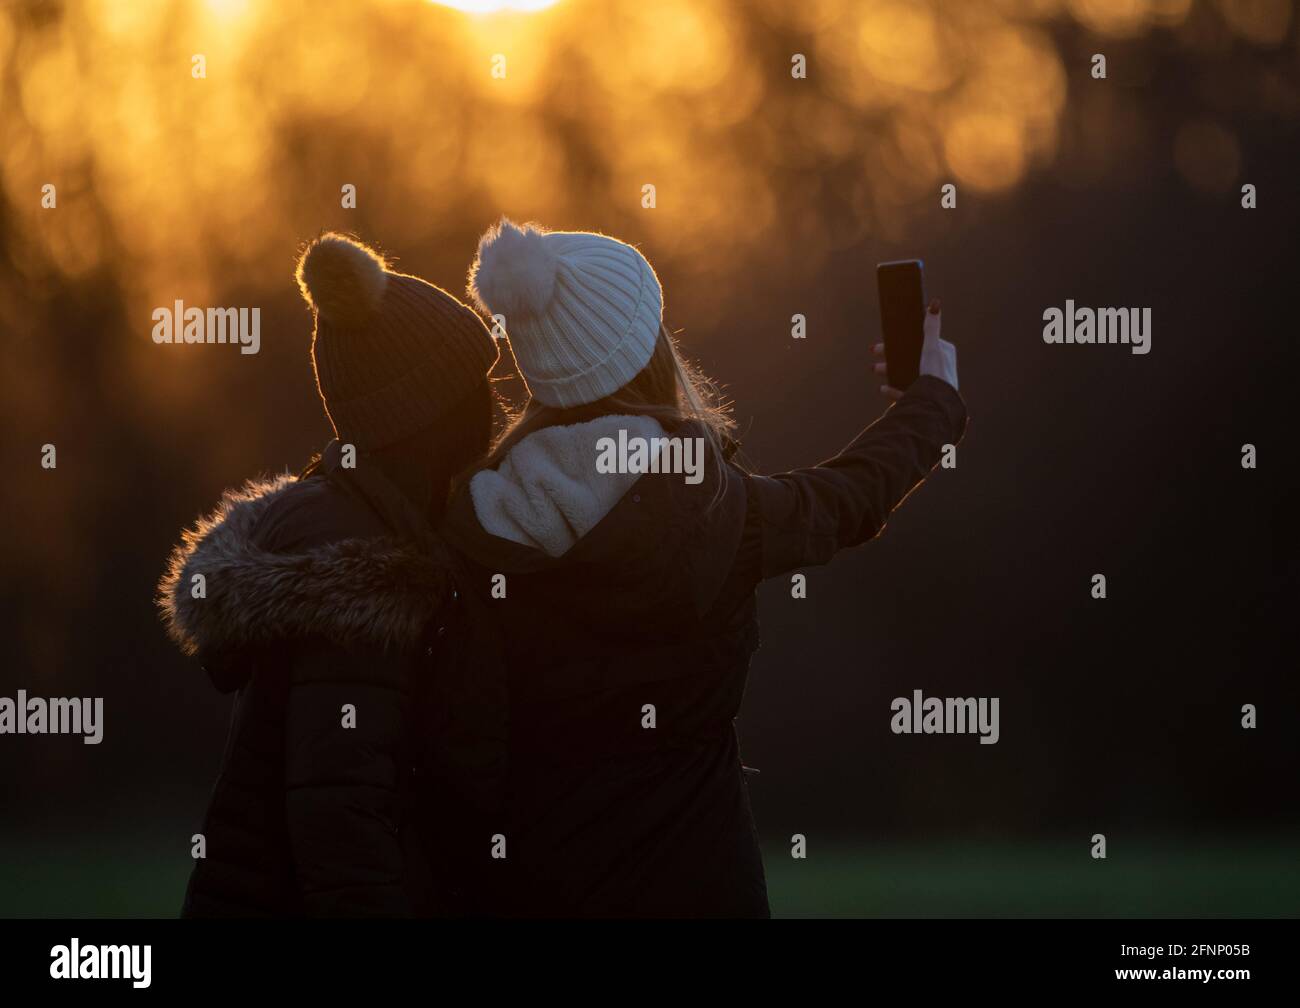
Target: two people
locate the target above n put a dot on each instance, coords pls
(500, 679)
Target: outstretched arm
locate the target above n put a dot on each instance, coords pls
(808, 515)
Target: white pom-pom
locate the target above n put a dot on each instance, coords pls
(341, 278)
(514, 272)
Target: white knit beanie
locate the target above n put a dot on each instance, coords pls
(582, 310)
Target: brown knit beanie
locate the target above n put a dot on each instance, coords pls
(391, 352)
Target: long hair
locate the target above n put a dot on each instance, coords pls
(668, 389)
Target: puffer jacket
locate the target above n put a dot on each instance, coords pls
(626, 608)
(318, 603)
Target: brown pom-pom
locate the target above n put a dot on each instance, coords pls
(341, 278)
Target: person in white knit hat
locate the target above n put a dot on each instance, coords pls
(583, 310)
(625, 596)
(584, 317)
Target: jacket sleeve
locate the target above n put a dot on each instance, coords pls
(344, 774)
(808, 515)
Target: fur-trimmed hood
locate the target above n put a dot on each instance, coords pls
(357, 589)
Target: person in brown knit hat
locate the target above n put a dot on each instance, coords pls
(325, 600)
(392, 352)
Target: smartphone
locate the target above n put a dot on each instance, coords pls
(902, 318)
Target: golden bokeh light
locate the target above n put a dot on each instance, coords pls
(448, 114)
(495, 6)
(1264, 22)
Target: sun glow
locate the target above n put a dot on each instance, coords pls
(180, 183)
(494, 6)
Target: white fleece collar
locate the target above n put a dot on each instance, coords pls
(546, 493)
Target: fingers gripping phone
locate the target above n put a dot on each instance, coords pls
(902, 318)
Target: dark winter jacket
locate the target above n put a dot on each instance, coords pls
(628, 617)
(320, 610)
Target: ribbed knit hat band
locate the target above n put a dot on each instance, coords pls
(582, 310)
(391, 352)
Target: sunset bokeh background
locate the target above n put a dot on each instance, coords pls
(774, 195)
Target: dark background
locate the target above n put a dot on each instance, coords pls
(1118, 716)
